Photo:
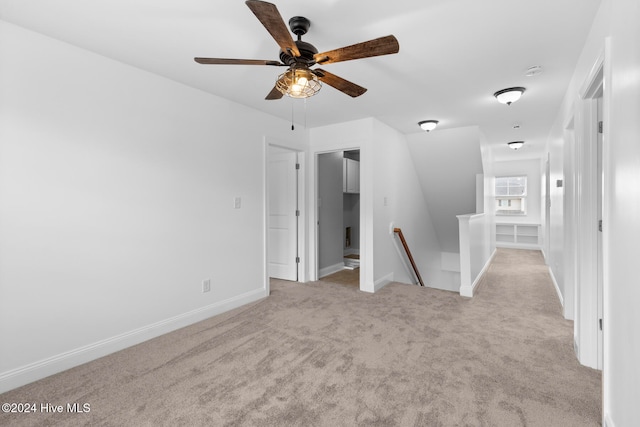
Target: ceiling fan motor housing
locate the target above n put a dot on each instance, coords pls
(299, 26)
(307, 51)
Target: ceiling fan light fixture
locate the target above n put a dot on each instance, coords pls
(428, 125)
(509, 95)
(514, 145)
(298, 83)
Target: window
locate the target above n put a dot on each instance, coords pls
(511, 195)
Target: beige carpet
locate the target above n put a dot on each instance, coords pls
(344, 277)
(329, 355)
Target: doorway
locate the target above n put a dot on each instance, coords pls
(338, 238)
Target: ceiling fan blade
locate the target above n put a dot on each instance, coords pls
(269, 16)
(376, 47)
(237, 61)
(345, 86)
(274, 94)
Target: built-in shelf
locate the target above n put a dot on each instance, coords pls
(526, 236)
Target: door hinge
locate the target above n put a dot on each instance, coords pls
(297, 212)
(297, 260)
(600, 323)
(298, 164)
(600, 225)
(600, 126)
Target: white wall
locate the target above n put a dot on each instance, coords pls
(616, 24)
(489, 192)
(116, 201)
(531, 169)
(561, 249)
(398, 200)
(447, 162)
(622, 228)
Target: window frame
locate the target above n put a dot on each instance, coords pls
(522, 198)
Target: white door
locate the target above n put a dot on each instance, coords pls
(283, 219)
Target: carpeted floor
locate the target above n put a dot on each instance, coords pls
(329, 355)
(344, 277)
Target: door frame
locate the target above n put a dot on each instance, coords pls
(570, 226)
(365, 267)
(589, 280)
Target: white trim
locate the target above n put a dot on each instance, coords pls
(382, 282)
(366, 203)
(330, 270)
(265, 215)
(530, 246)
(594, 78)
(555, 284)
(63, 361)
(467, 291)
(608, 422)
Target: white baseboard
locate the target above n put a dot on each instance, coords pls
(382, 282)
(330, 270)
(63, 361)
(607, 421)
(510, 245)
(352, 251)
(555, 284)
(467, 291)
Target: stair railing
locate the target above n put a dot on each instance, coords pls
(398, 231)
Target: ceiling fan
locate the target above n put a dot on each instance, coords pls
(300, 81)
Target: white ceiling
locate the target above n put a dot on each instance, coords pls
(454, 54)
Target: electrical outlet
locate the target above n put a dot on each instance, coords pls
(206, 285)
(237, 202)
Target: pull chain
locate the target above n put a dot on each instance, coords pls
(305, 113)
(292, 127)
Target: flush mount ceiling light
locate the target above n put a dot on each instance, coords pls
(515, 144)
(428, 125)
(509, 95)
(298, 82)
